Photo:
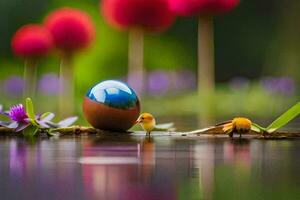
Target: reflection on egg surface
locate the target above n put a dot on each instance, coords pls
(111, 105)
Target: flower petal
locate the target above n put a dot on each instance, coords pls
(5, 113)
(13, 125)
(27, 120)
(47, 116)
(68, 121)
(5, 124)
(52, 124)
(21, 127)
(227, 128)
(17, 113)
(43, 124)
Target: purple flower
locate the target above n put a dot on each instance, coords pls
(282, 85)
(17, 113)
(13, 86)
(239, 83)
(183, 80)
(49, 84)
(286, 85)
(158, 82)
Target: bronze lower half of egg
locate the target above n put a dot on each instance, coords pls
(111, 105)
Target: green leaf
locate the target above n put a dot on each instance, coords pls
(285, 118)
(30, 131)
(30, 109)
(257, 128)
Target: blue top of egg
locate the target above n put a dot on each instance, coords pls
(113, 93)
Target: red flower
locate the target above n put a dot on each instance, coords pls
(151, 15)
(71, 29)
(196, 7)
(31, 41)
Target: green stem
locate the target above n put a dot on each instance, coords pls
(66, 86)
(136, 60)
(206, 68)
(30, 73)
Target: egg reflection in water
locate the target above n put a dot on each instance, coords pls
(111, 105)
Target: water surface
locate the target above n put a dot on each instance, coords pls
(126, 167)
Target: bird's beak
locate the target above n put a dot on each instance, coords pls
(138, 121)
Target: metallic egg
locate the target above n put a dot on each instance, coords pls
(111, 105)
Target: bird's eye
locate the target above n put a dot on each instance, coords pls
(143, 118)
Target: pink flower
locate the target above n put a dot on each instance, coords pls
(150, 15)
(17, 113)
(71, 29)
(196, 7)
(31, 41)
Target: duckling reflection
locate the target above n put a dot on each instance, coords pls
(147, 157)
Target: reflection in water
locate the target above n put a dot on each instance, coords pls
(117, 179)
(205, 162)
(237, 152)
(125, 167)
(17, 162)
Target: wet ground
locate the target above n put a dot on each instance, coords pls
(132, 167)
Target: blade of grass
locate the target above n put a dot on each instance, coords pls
(30, 111)
(257, 128)
(285, 118)
(29, 108)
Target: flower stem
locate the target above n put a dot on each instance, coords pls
(136, 60)
(30, 73)
(66, 86)
(206, 79)
(206, 69)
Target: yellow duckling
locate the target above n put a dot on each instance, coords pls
(147, 121)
